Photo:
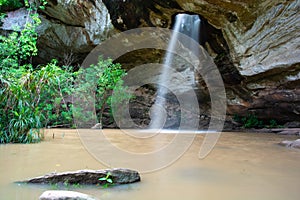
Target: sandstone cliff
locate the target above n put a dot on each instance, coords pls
(255, 43)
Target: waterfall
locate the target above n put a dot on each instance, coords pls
(190, 26)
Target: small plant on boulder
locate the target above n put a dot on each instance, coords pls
(107, 180)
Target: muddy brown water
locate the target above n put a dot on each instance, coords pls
(241, 166)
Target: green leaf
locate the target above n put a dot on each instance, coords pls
(109, 180)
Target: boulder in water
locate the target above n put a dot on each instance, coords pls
(291, 143)
(64, 195)
(97, 126)
(88, 177)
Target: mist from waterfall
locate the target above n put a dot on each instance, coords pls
(190, 26)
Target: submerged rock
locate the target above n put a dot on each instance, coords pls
(88, 177)
(97, 126)
(64, 195)
(291, 143)
(289, 132)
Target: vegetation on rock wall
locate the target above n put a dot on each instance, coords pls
(20, 84)
(32, 97)
(252, 121)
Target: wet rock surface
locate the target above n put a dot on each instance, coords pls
(291, 143)
(64, 195)
(87, 177)
(288, 131)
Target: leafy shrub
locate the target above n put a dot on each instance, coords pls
(18, 111)
(252, 121)
(21, 86)
(249, 121)
(273, 123)
(55, 103)
(19, 114)
(101, 79)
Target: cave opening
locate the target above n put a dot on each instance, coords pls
(213, 41)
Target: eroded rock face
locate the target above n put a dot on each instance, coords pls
(268, 56)
(262, 73)
(76, 27)
(69, 29)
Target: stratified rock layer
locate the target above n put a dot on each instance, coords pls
(262, 73)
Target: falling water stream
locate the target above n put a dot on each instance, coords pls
(190, 26)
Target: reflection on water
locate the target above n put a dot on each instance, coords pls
(241, 166)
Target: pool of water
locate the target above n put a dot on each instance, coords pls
(241, 166)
